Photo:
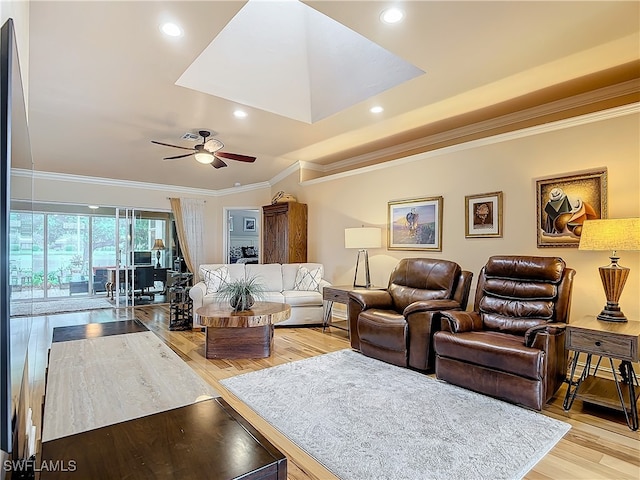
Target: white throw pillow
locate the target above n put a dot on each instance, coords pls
(214, 279)
(308, 279)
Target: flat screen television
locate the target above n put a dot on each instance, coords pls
(14, 152)
(142, 258)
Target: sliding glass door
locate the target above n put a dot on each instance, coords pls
(70, 251)
(142, 256)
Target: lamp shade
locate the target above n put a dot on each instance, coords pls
(621, 234)
(158, 244)
(364, 237)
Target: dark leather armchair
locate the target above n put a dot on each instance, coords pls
(512, 346)
(396, 325)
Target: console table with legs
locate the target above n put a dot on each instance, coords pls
(610, 341)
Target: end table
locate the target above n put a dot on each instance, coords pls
(340, 294)
(614, 341)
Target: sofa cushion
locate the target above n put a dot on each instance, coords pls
(236, 272)
(307, 279)
(215, 278)
(302, 298)
(269, 275)
(290, 271)
(272, 297)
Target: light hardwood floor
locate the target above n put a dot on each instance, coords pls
(599, 445)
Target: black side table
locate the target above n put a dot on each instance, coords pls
(180, 303)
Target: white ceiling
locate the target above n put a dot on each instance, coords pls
(103, 79)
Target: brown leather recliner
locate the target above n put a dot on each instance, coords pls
(512, 346)
(396, 325)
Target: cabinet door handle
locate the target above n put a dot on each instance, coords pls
(598, 344)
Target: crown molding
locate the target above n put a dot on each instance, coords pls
(293, 168)
(109, 182)
(566, 108)
(616, 112)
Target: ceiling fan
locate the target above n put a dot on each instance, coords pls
(208, 152)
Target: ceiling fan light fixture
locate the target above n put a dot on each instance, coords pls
(204, 156)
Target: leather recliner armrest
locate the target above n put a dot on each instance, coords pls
(554, 329)
(462, 321)
(372, 299)
(430, 306)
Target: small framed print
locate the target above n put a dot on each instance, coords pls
(415, 224)
(483, 215)
(249, 224)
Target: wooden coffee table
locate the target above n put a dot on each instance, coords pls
(244, 334)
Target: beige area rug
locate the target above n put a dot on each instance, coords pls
(364, 419)
(53, 306)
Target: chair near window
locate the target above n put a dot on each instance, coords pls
(100, 279)
(143, 281)
(396, 325)
(512, 346)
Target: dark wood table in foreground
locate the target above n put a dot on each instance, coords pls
(243, 334)
(208, 440)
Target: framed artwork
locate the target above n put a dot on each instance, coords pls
(231, 223)
(564, 203)
(415, 224)
(249, 224)
(483, 215)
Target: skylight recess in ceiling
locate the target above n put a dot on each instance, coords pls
(289, 59)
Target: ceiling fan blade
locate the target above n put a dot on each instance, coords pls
(177, 156)
(235, 156)
(169, 145)
(217, 163)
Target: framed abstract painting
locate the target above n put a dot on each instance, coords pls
(563, 204)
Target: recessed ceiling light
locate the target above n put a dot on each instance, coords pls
(94, 207)
(240, 114)
(392, 15)
(376, 109)
(171, 29)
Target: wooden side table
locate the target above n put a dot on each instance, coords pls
(614, 341)
(340, 294)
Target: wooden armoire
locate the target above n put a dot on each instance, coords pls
(284, 233)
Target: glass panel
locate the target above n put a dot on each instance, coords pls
(103, 244)
(67, 258)
(26, 253)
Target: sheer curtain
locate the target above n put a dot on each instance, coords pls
(189, 215)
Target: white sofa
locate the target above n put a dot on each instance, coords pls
(278, 280)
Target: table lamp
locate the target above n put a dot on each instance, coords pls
(362, 238)
(612, 234)
(158, 245)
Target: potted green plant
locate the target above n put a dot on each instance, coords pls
(241, 294)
